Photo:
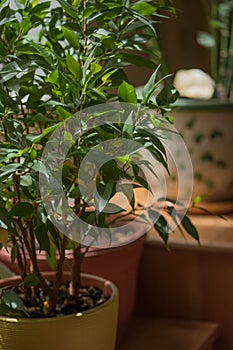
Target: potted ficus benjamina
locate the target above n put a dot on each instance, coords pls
(204, 113)
(61, 76)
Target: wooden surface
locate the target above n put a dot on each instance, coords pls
(188, 283)
(216, 234)
(149, 333)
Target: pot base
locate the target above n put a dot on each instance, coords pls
(93, 329)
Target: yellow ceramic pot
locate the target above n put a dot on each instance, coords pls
(94, 329)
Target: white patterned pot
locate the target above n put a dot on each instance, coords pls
(207, 130)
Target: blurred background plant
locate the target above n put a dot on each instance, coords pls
(219, 39)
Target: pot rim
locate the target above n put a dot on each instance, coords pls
(93, 251)
(194, 104)
(109, 288)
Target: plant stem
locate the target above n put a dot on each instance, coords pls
(19, 257)
(27, 234)
(33, 257)
(76, 270)
(223, 50)
(59, 274)
(85, 29)
(214, 49)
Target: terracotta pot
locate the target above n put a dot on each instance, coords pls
(6, 260)
(207, 129)
(121, 265)
(93, 329)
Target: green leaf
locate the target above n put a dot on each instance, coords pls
(46, 131)
(63, 112)
(38, 9)
(198, 199)
(14, 129)
(160, 225)
(54, 233)
(105, 189)
(142, 182)
(71, 37)
(3, 50)
(42, 51)
(144, 8)
(68, 8)
(150, 87)
(3, 96)
(13, 301)
(127, 190)
(87, 64)
(146, 134)
(26, 180)
(110, 170)
(9, 71)
(109, 73)
(74, 67)
(31, 280)
(41, 232)
(137, 60)
(52, 257)
(8, 169)
(89, 11)
(114, 208)
(127, 93)
(22, 209)
(101, 198)
(13, 253)
(144, 20)
(108, 42)
(189, 227)
(6, 221)
(53, 77)
(167, 95)
(95, 68)
(128, 128)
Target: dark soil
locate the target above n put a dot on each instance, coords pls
(37, 305)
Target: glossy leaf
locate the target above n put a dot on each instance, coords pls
(37, 139)
(68, 8)
(160, 225)
(31, 280)
(128, 128)
(22, 209)
(144, 8)
(6, 221)
(54, 234)
(41, 233)
(127, 93)
(51, 258)
(150, 87)
(8, 170)
(71, 37)
(189, 227)
(74, 66)
(167, 95)
(26, 180)
(13, 301)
